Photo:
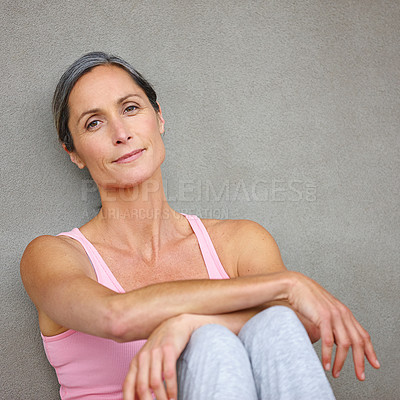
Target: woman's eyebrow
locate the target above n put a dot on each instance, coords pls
(92, 111)
(122, 99)
(96, 110)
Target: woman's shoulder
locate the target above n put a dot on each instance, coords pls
(46, 250)
(235, 228)
(236, 240)
(49, 242)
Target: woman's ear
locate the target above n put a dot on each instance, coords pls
(74, 157)
(161, 119)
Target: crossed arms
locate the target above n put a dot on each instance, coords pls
(62, 288)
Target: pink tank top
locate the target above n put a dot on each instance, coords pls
(90, 367)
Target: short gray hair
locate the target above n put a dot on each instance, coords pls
(79, 68)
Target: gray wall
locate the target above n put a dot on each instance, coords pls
(284, 112)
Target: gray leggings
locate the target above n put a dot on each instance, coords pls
(272, 358)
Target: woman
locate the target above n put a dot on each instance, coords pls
(204, 293)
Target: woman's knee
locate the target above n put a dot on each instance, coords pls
(215, 365)
(271, 322)
(214, 337)
(213, 346)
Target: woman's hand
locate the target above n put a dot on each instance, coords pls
(156, 361)
(336, 324)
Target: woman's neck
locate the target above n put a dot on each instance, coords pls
(138, 217)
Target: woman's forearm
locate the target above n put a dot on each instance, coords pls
(234, 321)
(134, 315)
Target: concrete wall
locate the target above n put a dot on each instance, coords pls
(284, 112)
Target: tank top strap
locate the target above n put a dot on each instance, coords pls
(103, 273)
(210, 256)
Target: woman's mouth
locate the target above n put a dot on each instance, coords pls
(129, 157)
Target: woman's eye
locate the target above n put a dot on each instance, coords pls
(130, 108)
(93, 124)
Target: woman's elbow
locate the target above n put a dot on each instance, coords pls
(116, 322)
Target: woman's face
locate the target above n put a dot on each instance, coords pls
(115, 129)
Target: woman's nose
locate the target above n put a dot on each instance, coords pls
(120, 132)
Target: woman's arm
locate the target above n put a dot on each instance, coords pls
(257, 253)
(55, 275)
(321, 313)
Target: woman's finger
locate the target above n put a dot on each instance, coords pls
(129, 383)
(156, 379)
(357, 344)
(343, 343)
(169, 368)
(327, 343)
(368, 347)
(358, 358)
(142, 378)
